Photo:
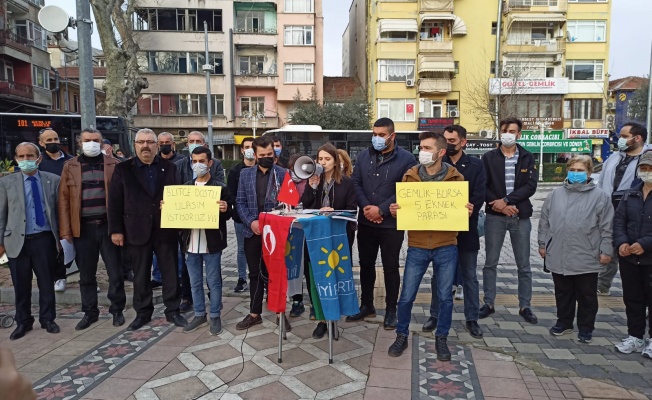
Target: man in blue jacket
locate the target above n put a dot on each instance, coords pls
(375, 175)
(511, 181)
(468, 243)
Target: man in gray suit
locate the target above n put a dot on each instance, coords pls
(30, 236)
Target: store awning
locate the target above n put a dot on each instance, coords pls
(442, 63)
(398, 25)
(459, 27)
(535, 18)
(437, 17)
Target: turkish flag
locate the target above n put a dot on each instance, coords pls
(288, 193)
(275, 230)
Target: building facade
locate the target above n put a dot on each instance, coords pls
(428, 63)
(260, 54)
(24, 60)
(621, 94)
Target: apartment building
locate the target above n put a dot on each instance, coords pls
(24, 60)
(260, 54)
(428, 63)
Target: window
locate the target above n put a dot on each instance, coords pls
(395, 70)
(587, 1)
(6, 71)
(171, 62)
(587, 31)
(494, 28)
(252, 65)
(20, 28)
(299, 73)
(179, 19)
(75, 103)
(252, 105)
(250, 21)
(299, 35)
(398, 36)
(218, 105)
(585, 70)
(179, 104)
(436, 107)
(299, 6)
(532, 69)
(397, 109)
(40, 77)
(56, 101)
(431, 30)
(451, 106)
(31, 31)
(533, 106)
(583, 109)
(492, 68)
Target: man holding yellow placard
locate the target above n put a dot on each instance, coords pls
(436, 194)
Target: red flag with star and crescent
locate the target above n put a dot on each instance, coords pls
(274, 230)
(288, 193)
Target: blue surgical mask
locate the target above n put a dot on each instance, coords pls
(28, 166)
(577, 177)
(193, 146)
(622, 144)
(277, 152)
(379, 143)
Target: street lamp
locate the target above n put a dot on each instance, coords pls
(254, 118)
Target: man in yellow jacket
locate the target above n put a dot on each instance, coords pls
(424, 247)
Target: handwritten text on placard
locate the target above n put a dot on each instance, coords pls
(191, 207)
(432, 206)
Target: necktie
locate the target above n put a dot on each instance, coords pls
(38, 208)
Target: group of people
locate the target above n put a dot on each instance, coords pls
(108, 207)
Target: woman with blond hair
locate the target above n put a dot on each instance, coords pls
(575, 240)
(345, 162)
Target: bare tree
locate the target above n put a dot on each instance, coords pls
(123, 84)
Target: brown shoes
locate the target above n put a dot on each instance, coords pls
(248, 322)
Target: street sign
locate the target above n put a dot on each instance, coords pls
(480, 146)
(435, 124)
(588, 133)
(557, 146)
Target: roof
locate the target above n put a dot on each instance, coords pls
(630, 83)
(340, 88)
(73, 72)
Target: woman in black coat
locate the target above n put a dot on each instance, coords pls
(327, 192)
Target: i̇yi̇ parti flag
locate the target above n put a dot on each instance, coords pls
(288, 193)
(274, 231)
(332, 271)
(294, 261)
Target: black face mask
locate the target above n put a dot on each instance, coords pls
(166, 149)
(451, 150)
(266, 162)
(52, 147)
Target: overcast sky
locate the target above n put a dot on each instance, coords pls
(631, 35)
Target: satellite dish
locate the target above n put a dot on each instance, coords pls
(53, 19)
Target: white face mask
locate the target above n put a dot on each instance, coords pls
(508, 139)
(91, 149)
(645, 176)
(199, 169)
(426, 158)
(249, 154)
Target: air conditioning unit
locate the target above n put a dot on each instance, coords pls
(558, 59)
(506, 74)
(453, 114)
(409, 82)
(182, 133)
(610, 118)
(611, 126)
(487, 133)
(579, 123)
(611, 105)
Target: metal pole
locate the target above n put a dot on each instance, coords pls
(281, 333)
(85, 60)
(648, 120)
(254, 123)
(542, 128)
(498, 69)
(209, 106)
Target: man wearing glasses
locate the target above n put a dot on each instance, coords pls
(135, 196)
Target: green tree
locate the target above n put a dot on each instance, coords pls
(637, 109)
(352, 114)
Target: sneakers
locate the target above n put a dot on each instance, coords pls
(631, 344)
(459, 293)
(647, 351)
(604, 292)
(297, 309)
(443, 354)
(216, 326)
(248, 322)
(241, 286)
(60, 285)
(559, 330)
(196, 323)
(528, 316)
(584, 337)
(399, 345)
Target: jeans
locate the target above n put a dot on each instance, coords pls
(496, 227)
(195, 263)
(580, 289)
(242, 260)
(444, 261)
(466, 269)
(637, 296)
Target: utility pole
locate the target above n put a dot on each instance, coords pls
(209, 106)
(542, 132)
(497, 66)
(648, 120)
(85, 60)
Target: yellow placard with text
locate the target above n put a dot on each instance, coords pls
(432, 206)
(191, 207)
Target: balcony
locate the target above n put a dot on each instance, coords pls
(256, 80)
(16, 42)
(270, 122)
(16, 89)
(436, 46)
(254, 38)
(537, 6)
(435, 85)
(553, 46)
(436, 5)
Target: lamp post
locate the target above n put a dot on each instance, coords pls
(254, 118)
(542, 132)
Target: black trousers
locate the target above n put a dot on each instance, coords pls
(38, 256)
(141, 262)
(370, 239)
(186, 289)
(581, 289)
(258, 275)
(637, 296)
(94, 240)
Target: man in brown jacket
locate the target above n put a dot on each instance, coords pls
(83, 204)
(424, 247)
